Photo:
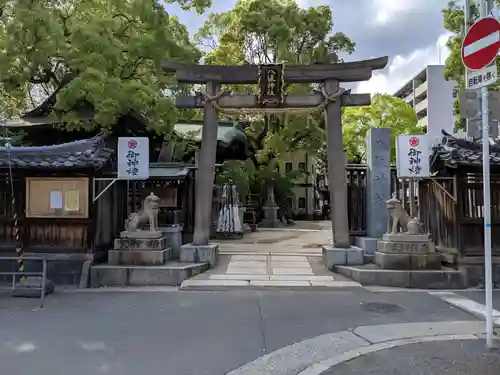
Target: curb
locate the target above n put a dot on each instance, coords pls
(321, 367)
(316, 355)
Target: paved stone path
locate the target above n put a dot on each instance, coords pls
(270, 271)
(279, 257)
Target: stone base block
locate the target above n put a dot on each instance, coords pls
(141, 234)
(200, 253)
(173, 235)
(140, 243)
(405, 237)
(138, 257)
(337, 256)
(368, 244)
(171, 273)
(31, 287)
(408, 261)
(420, 279)
(403, 247)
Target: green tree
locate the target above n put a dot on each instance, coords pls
(454, 21)
(270, 31)
(103, 52)
(385, 111)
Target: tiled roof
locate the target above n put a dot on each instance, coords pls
(168, 171)
(87, 153)
(455, 151)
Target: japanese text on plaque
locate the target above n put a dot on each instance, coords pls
(415, 160)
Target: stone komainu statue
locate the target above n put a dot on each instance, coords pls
(399, 221)
(146, 218)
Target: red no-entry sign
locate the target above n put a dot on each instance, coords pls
(481, 43)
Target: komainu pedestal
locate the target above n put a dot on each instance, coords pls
(142, 242)
(404, 247)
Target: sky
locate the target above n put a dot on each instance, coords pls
(410, 32)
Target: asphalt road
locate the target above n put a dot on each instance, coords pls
(195, 333)
(438, 358)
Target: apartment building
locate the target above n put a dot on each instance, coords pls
(303, 203)
(432, 97)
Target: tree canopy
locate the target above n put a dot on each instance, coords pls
(106, 53)
(385, 111)
(270, 31)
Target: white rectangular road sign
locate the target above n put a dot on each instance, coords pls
(481, 78)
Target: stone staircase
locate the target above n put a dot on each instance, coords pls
(143, 262)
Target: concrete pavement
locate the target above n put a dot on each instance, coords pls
(457, 357)
(207, 333)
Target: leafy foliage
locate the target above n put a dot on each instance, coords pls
(252, 182)
(385, 111)
(103, 52)
(270, 31)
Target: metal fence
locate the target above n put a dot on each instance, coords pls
(16, 274)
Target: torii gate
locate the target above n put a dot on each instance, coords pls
(272, 96)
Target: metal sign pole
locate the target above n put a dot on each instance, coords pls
(466, 74)
(487, 204)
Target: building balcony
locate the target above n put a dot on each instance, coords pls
(420, 89)
(423, 122)
(409, 99)
(419, 107)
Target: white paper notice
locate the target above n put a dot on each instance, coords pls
(56, 200)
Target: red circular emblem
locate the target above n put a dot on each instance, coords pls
(132, 144)
(414, 142)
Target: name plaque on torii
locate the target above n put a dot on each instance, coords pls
(271, 85)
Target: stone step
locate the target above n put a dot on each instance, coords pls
(370, 274)
(213, 284)
(276, 253)
(169, 274)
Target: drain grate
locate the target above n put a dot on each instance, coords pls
(381, 308)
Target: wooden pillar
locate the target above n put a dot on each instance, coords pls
(336, 169)
(206, 170)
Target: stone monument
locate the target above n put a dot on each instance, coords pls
(142, 242)
(404, 246)
(270, 209)
(378, 188)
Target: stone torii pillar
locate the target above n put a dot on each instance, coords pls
(336, 166)
(206, 168)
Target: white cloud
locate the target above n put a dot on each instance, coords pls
(388, 10)
(402, 68)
